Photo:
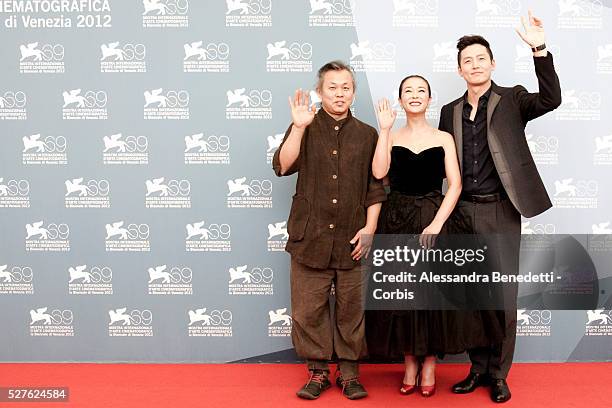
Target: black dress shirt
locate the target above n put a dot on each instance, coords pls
(479, 173)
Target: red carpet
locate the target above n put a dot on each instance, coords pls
(270, 385)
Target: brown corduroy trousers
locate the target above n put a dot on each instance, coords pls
(317, 333)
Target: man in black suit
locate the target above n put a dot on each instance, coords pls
(500, 179)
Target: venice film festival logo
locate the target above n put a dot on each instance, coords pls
(47, 150)
(210, 150)
(523, 62)
(88, 194)
(98, 280)
(579, 105)
(173, 281)
(295, 57)
(213, 57)
(41, 58)
(604, 59)
(601, 228)
(255, 104)
(280, 323)
(254, 194)
(131, 238)
(210, 323)
(599, 322)
(445, 57)
(52, 238)
(544, 149)
(127, 58)
(165, 14)
(331, 13)
(497, 13)
(415, 13)
(169, 105)
(601, 238)
(208, 238)
(570, 193)
(16, 280)
(536, 236)
(14, 193)
(88, 105)
(13, 105)
(533, 323)
(54, 322)
(375, 57)
(603, 150)
(277, 236)
(130, 149)
(254, 281)
(248, 13)
(433, 111)
(135, 323)
(170, 194)
(274, 142)
(581, 15)
(527, 228)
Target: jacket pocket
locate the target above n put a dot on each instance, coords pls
(298, 218)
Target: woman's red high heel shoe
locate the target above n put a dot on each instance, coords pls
(407, 389)
(427, 390)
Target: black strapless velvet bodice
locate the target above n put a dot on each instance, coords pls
(416, 173)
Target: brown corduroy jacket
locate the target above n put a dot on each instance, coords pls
(334, 188)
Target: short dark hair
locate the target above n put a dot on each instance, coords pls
(414, 76)
(334, 66)
(468, 40)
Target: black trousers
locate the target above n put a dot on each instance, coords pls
(503, 220)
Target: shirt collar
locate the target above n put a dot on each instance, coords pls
(483, 98)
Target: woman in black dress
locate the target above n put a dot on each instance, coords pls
(415, 158)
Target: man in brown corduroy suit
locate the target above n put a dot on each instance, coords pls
(337, 201)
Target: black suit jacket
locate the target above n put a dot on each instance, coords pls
(508, 111)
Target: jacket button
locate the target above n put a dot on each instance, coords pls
(331, 226)
(334, 152)
(336, 127)
(334, 201)
(334, 176)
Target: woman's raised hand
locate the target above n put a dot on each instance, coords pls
(386, 114)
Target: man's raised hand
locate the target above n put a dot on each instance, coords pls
(534, 31)
(302, 113)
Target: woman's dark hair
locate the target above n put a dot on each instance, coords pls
(414, 76)
(468, 40)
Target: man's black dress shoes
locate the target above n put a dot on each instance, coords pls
(471, 382)
(500, 391)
